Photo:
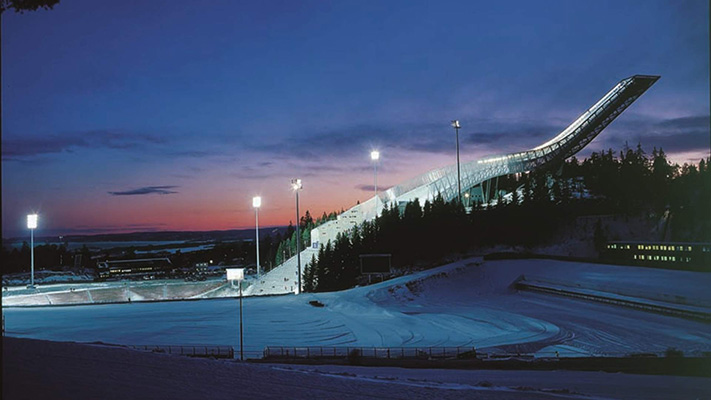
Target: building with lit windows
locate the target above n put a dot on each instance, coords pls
(673, 255)
(133, 268)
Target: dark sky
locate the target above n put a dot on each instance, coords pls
(156, 115)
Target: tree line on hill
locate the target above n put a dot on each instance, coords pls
(631, 183)
(46, 256)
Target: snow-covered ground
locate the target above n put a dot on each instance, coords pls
(118, 291)
(37, 369)
(45, 277)
(467, 303)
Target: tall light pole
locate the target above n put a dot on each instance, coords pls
(237, 274)
(241, 325)
(256, 203)
(456, 126)
(31, 225)
(296, 185)
(375, 156)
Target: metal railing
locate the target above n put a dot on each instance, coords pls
(191, 351)
(371, 352)
(278, 353)
(542, 287)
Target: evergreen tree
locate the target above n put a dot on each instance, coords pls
(309, 284)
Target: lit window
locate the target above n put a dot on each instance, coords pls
(673, 258)
(635, 256)
(640, 247)
(656, 257)
(688, 248)
(627, 247)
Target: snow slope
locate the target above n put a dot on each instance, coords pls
(119, 291)
(283, 279)
(467, 303)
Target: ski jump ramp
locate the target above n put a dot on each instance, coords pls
(443, 181)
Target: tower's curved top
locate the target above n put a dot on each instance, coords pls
(443, 181)
(567, 143)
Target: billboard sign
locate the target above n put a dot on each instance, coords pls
(375, 263)
(235, 274)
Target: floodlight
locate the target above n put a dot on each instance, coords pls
(374, 155)
(456, 126)
(32, 221)
(296, 184)
(256, 202)
(31, 225)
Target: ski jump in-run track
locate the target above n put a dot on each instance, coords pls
(474, 175)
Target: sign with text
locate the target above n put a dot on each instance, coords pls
(374, 263)
(235, 274)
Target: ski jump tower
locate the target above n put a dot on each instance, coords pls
(476, 174)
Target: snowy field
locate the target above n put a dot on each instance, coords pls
(118, 291)
(21, 280)
(38, 369)
(467, 303)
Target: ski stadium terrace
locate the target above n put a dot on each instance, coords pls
(476, 176)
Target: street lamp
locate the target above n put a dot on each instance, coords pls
(466, 198)
(456, 126)
(31, 225)
(256, 203)
(237, 274)
(375, 156)
(296, 185)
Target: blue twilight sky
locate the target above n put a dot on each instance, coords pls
(157, 115)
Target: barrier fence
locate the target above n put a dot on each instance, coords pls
(441, 353)
(191, 351)
(394, 353)
(374, 352)
(542, 287)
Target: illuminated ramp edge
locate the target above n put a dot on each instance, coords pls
(567, 143)
(443, 181)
